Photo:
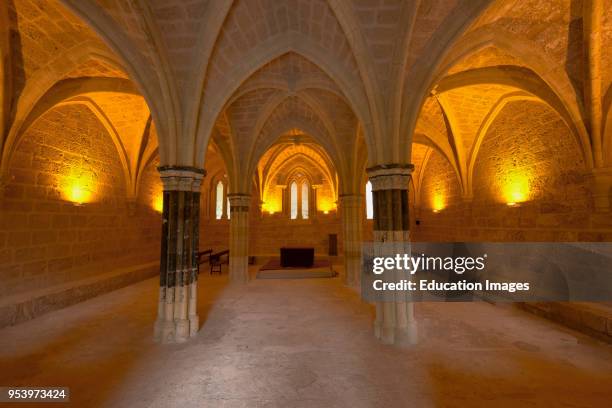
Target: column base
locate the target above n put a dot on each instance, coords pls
(395, 328)
(407, 336)
(387, 335)
(352, 273)
(157, 330)
(194, 325)
(377, 330)
(164, 331)
(181, 333)
(239, 279)
(177, 331)
(356, 286)
(239, 270)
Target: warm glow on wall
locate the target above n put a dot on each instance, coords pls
(158, 203)
(325, 204)
(516, 188)
(77, 191)
(271, 206)
(438, 203)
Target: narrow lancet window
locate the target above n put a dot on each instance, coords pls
(305, 200)
(219, 201)
(294, 200)
(369, 201)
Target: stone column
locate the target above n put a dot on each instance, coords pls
(239, 238)
(351, 209)
(395, 322)
(285, 201)
(177, 317)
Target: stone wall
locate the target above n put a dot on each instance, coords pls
(214, 234)
(529, 157)
(270, 232)
(46, 238)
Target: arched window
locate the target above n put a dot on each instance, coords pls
(305, 200)
(228, 208)
(294, 200)
(369, 201)
(219, 201)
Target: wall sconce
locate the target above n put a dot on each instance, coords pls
(270, 207)
(438, 203)
(77, 194)
(158, 203)
(516, 189)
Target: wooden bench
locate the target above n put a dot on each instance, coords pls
(217, 260)
(204, 256)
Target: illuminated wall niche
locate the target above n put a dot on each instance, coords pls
(158, 203)
(518, 163)
(150, 188)
(439, 186)
(78, 187)
(515, 186)
(72, 157)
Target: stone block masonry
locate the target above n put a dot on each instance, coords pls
(47, 240)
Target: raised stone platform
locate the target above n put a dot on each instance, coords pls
(594, 319)
(273, 270)
(25, 306)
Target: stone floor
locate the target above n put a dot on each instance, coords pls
(303, 343)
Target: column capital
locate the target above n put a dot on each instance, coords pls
(350, 199)
(390, 176)
(181, 178)
(239, 202)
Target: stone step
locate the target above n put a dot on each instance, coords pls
(25, 306)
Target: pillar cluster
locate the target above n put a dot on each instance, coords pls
(239, 238)
(351, 208)
(177, 317)
(395, 322)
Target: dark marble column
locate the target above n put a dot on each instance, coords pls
(395, 322)
(177, 319)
